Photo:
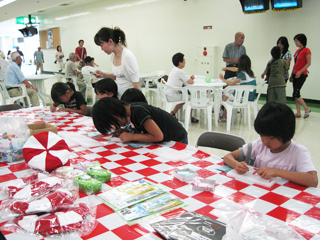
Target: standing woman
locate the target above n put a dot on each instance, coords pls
(124, 64)
(8, 55)
(59, 58)
(302, 60)
(283, 44)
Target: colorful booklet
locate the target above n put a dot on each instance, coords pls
(130, 193)
(199, 227)
(163, 203)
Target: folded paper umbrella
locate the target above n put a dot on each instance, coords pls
(46, 151)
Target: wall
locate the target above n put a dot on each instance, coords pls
(156, 29)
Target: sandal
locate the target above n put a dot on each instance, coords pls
(306, 114)
(194, 120)
(222, 119)
(297, 116)
(173, 115)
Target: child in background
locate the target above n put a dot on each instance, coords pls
(152, 123)
(106, 87)
(133, 95)
(275, 69)
(275, 154)
(178, 78)
(73, 101)
(245, 77)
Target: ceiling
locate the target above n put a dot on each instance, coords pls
(38, 7)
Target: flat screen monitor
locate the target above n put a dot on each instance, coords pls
(285, 4)
(251, 6)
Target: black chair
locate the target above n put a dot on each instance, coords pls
(224, 141)
(9, 107)
(89, 110)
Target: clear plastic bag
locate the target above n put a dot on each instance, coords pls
(76, 221)
(244, 224)
(14, 132)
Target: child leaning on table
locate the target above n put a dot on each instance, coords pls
(274, 153)
(152, 124)
(73, 101)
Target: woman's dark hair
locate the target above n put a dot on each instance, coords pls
(80, 41)
(285, 43)
(106, 85)
(301, 38)
(178, 57)
(276, 120)
(106, 113)
(9, 52)
(59, 89)
(105, 33)
(275, 52)
(133, 95)
(244, 65)
(58, 48)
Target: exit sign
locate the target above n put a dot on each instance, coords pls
(25, 20)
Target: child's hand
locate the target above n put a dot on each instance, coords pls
(241, 168)
(52, 108)
(62, 110)
(266, 172)
(262, 75)
(221, 76)
(126, 137)
(99, 74)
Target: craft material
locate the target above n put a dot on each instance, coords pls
(99, 173)
(87, 184)
(185, 174)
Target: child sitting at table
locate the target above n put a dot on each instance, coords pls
(152, 123)
(178, 78)
(133, 95)
(106, 87)
(73, 101)
(245, 77)
(275, 154)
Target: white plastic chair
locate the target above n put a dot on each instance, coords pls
(240, 100)
(6, 99)
(63, 78)
(153, 81)
(200, 99)
(254, 104)
(88, 78)
(163, 97)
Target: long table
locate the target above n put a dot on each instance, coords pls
(297, 206)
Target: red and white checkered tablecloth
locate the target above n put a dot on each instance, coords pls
(297, 206)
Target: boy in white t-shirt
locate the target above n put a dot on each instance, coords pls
(177, 78)
(274, 154)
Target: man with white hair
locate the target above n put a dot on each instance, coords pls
(14, 75)
(71, 70)
(232, 53)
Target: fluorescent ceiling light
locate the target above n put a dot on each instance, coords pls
(130, 4)
(5, 2)
(72, 16)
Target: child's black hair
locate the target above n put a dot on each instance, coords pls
(244, 65)
(275, 53)
(106, 85)
(276, 120)
(177, 58)
(71, 86)
(106, 112)
(59, 89)
(133, 95)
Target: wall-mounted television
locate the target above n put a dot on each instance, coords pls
(254, 6)
(285, 4)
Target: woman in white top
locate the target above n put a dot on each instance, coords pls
(124, 64)
(59, 58)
